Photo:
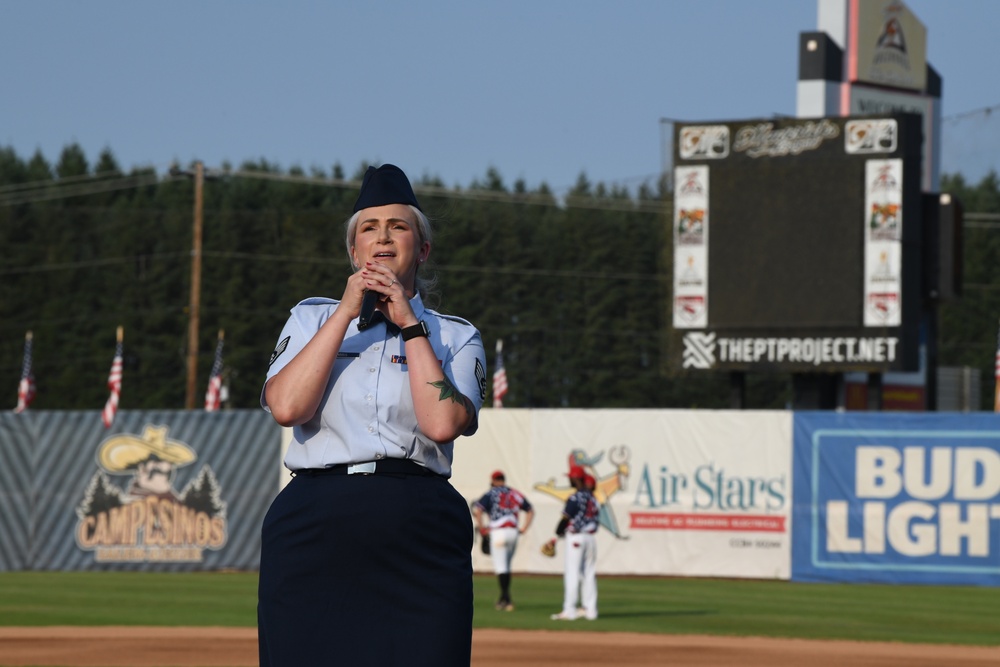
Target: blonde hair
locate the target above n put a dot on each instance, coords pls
(425, 234)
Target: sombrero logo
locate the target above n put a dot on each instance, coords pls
(149, 520)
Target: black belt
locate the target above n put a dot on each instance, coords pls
(382, 467)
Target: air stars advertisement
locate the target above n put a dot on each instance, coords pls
(683, 493)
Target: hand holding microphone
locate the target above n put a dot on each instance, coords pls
(368, 302)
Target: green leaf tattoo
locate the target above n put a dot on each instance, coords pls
(448, 391)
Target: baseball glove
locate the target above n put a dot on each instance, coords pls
(485, 544)
(549, 549)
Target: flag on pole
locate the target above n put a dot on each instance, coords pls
(213, 397)
(26, 388)
(996, 372)
(499, 378)
(114, 384)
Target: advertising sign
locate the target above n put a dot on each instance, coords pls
(691, 247)
(681, 493)
(160, 491)
(906, 498)
(888, 45)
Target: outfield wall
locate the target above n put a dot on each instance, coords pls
(809, 496)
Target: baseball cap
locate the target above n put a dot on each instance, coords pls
(589, 480)
(385, 185)
(497, 474)
(576, 472)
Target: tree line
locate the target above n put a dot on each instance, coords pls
(578, 287)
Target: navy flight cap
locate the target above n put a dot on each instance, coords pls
(385, 185)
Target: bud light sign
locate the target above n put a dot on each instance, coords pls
(897, 498)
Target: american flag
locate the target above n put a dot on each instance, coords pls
(26, 388)
(499, 378)
(213, 397)
(996, 394)
(114, 384)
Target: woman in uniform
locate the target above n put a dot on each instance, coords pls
(366, 553)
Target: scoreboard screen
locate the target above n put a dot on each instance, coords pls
(797, 244)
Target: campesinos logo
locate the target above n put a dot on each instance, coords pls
(149, 520)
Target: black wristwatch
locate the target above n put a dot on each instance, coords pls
(417, 330)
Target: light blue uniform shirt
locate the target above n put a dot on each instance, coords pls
(367, 410)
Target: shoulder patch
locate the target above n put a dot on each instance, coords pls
(282, 346)
(481, 378)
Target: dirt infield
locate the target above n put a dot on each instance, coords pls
(237, 647)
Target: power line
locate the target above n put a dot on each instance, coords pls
(14, 187)
(78, 186)
(59, 191)
(984, 111)
(66, 266)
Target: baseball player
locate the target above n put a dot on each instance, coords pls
(501, 506)
(578, 525)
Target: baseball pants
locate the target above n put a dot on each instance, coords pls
(580, 576)
(503, 544)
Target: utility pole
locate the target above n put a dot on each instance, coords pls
(195, 304)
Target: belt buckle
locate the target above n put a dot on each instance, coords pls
(361, 468)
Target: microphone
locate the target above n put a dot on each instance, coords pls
(367, 309)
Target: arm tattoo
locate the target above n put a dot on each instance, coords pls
(449, 391)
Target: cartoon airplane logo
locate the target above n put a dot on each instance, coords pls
(606, 487)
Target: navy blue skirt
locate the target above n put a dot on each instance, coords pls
(366, 570)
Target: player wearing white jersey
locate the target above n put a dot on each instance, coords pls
(579, 524)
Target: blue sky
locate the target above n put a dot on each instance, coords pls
(541, 90)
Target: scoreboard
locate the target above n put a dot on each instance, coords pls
(798, 244)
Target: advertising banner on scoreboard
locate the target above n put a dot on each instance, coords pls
(883, 221)
(897, 498)
(682, 493)
(691, 223)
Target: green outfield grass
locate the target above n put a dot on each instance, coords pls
(929, 614)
